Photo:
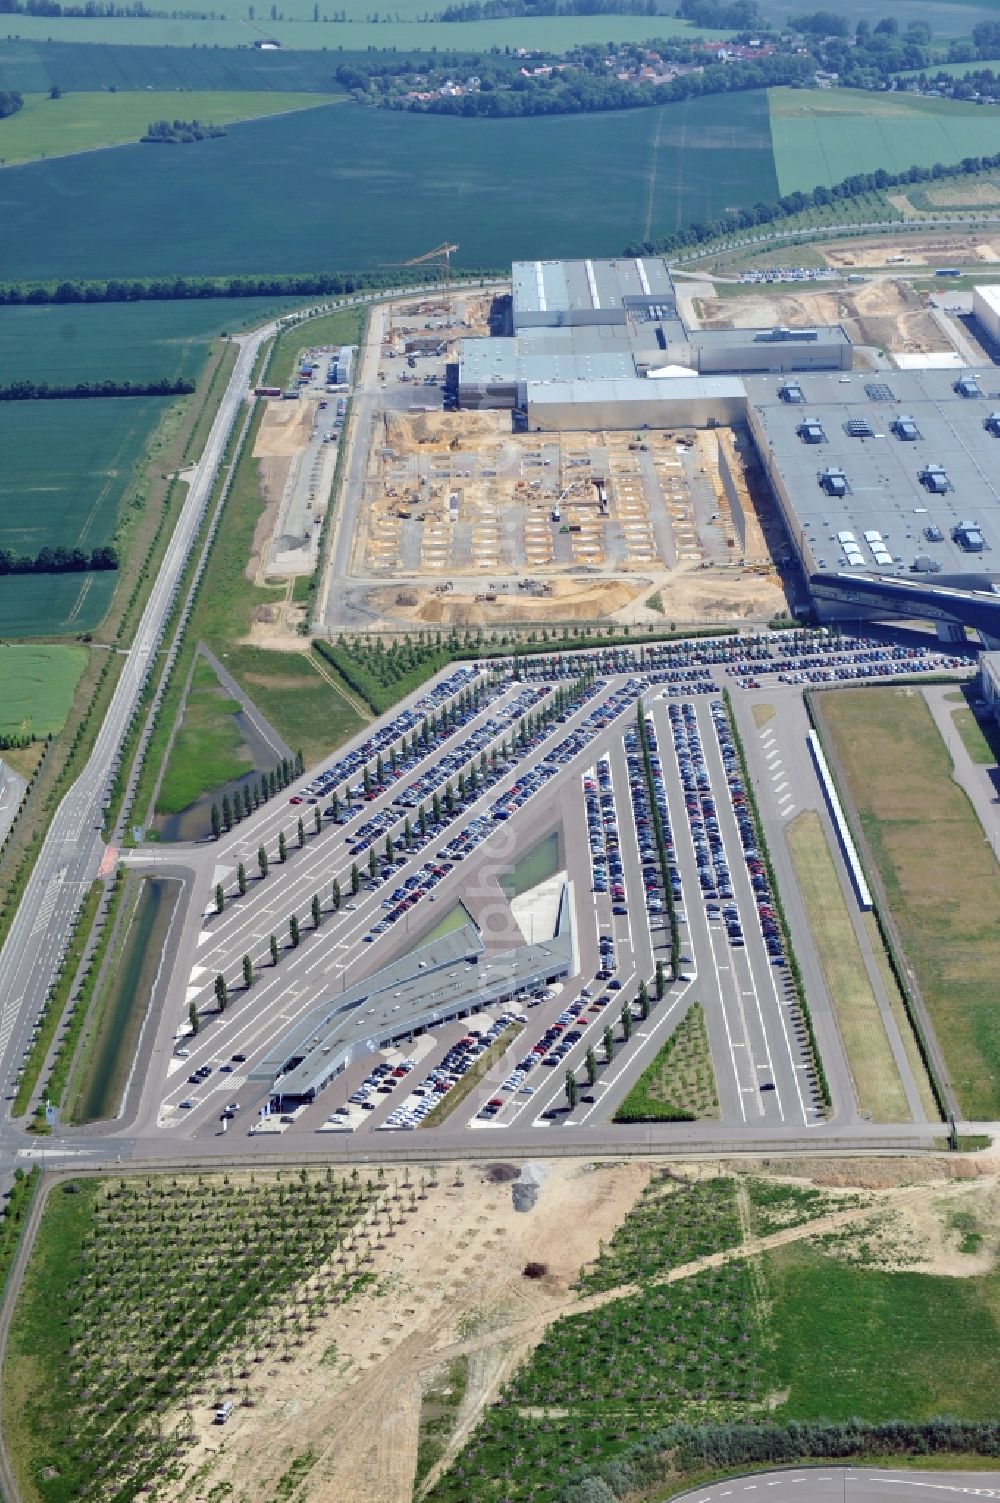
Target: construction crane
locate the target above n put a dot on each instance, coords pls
(440, 257)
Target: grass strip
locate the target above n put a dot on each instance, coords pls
(55, 1002)
(794, 969)
(877, 1082)
(682, 1069)
(80, 1012)
(439, 1409)
(458, 1093)
(14, 1218)
(896, 964)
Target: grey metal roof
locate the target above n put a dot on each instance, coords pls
(880, 519)
(567, 287)
(637, 389)
(425, 987)
(825, 334)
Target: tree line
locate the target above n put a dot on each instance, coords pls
(702, 1449)
(792, 204)
(179, 289)
(503, 10)
(243, 803)
(41, 391)
(10, 100)
(58, 561)
(180, 132)
(580, 93)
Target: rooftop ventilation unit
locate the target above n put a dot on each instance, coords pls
(924, 564)
(781, 335)
(791, 392)
(906, 429)
(933, 534)
(859, 427)
(992, 424)
(968, 386)
(877, 391)
(935, 479)
(834, 482)
(811, 432)
(968, 536)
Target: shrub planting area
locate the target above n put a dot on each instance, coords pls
(667, 1375)
(145, 1295)
(673, 1222)
(679, 1085)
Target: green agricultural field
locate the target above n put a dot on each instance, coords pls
(821, 137)
(208, 750)
(81, 122)
(940, 875)
(63, 343)
(548, 33)
(33, 67)
(946, 18)
(351, 187)
(68, 467)
(37, 685)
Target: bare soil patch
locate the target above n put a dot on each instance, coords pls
(888, 313)
(351, 1393)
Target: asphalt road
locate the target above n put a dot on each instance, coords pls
(838, 1484)
(71, 853)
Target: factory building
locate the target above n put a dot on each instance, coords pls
(889, 488)
(449, 978)
(601, 321)
(888, 484)
(986, 310)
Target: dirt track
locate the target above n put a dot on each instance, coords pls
(451, 1285)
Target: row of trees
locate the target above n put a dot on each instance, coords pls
(856, 186)
(502, 10)
(180, 132)
(728, 1447)
(41, 391)
(90, 9)
(242, 804)
(10, 100)
(181, 289)
(58, 561)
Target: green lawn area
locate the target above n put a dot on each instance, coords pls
(873, 1069)
(856, 1341)
(36, 686)
(312, 714)
(940, 875)
(823, 136)
(80, 122)
(679, 1083)
(208, 749)
(979, 737)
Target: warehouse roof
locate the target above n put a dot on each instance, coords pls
(895, 473)
(742, 338)
(637, 389)
(588, 287)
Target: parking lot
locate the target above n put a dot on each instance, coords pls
(432, 806)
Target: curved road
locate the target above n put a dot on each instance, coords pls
(845, 1484)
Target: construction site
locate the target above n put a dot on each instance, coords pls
(571, 524)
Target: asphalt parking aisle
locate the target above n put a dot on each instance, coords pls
(778, 1059)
